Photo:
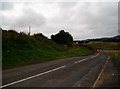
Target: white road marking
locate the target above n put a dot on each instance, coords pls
(76, 61)
(80, 60)
(93, 56)
(32, 77)
(83, 60)
(86, 59)
(100, 73)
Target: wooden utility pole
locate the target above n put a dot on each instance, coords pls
(29, 30)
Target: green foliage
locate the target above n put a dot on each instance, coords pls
(63, 38)
(21, 49)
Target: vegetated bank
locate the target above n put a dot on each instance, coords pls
(21, 49)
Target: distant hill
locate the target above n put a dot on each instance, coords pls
(107, 39)
(104, 39)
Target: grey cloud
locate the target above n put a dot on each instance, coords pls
(21, 22)
(88, 20)
(119, 18)
(67, 5)
(30, 18)
(82, 20)
(67, 9)
(6, 6)
(101, 21)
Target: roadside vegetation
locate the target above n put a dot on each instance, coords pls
(22, 49)
(63, 38)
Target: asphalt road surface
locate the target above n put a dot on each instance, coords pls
(69, 72)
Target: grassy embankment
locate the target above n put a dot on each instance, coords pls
(20, 49)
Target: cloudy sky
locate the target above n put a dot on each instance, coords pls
(82, 20)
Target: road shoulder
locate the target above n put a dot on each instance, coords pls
(109, 77)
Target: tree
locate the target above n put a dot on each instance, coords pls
(63, 38)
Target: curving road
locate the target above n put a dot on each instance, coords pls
(69, 72)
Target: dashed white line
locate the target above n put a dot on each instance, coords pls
(80, 60)
(93, 57)
(32, 77)
(85, 59)
(76, 61)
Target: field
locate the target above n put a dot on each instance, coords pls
(21, 49)
(105, 45)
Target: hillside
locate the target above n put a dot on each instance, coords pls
(107, 39)
(104, 39)
(21, 49)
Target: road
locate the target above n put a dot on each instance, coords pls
(68, 72)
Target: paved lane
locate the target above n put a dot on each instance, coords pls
(70, 72)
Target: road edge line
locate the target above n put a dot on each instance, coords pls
(102, 70)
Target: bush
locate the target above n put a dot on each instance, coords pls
(63, 38)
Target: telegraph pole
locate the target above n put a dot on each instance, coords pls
(29, 30)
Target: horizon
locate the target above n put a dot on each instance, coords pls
(65, 31)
